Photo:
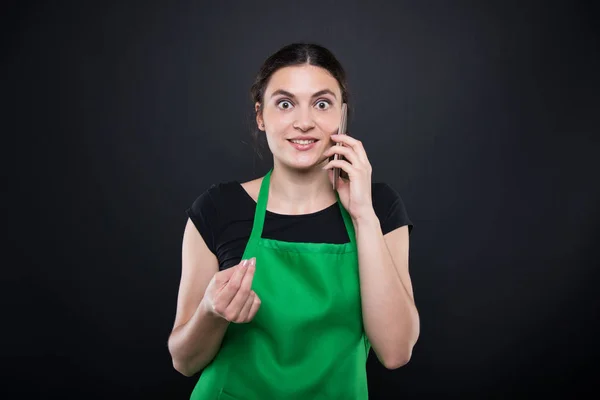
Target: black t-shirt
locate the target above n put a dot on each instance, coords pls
(224, 215)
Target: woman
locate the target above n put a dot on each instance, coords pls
(286, 284)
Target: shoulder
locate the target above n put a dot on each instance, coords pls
(382, 190)
(213, 209)
(217, 192)
(214, 198)
(389, 207)
(252, 187)
(384, 195)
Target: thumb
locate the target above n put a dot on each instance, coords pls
(225, 275)
(228, 273)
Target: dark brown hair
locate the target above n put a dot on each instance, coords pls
(290, 55)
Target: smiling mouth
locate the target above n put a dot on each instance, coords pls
(303, 141)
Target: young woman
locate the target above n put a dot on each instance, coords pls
(286, 284)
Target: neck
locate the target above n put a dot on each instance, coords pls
(294, 191)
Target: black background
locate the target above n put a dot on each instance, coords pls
(483, 116)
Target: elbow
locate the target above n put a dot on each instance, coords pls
(183, 368)
(398, 360)
(403, 351)
(399, 357)
(181, 364)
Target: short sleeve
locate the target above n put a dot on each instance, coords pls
(390, 208)
(203, 214)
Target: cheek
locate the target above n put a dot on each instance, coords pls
(277, 120)
(328, 123)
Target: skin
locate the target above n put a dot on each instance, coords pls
(298, 185)
(301, 183)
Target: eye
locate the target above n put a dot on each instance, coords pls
(323, 104)
(284, 104)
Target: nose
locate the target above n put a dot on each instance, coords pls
(305, 120)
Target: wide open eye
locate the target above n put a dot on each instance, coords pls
(323, 104)
(284, 104)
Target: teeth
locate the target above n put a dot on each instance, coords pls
(302, 141)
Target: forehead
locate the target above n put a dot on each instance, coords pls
(302, 80)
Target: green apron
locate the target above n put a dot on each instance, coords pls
(307, 340)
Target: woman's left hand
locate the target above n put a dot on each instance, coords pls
(355, 192)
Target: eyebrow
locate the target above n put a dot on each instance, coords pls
(317, 94)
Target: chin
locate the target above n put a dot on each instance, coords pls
(303, 166)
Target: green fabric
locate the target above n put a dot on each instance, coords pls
(307, 339)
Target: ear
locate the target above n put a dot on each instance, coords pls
(259, 119)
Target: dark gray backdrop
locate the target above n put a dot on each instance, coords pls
(483, 116)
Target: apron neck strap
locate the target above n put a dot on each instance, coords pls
(261, 210)
(261, 207)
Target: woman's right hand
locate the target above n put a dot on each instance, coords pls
(229, 294)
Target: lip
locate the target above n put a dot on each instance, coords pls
(303, 147)
(303, 138)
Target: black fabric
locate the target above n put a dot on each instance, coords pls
(224, 214)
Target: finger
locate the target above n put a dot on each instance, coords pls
(226, 274)
(343, 165)
(237, 303)
(342, 181)
(243, 317)
(355, 144)
(223, 277)
(228, 292)
(347, 152)
(254, 309)
(346, 139)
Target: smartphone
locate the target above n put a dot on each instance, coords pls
(337, 172)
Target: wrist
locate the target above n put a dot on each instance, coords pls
(207, 312)
(366, 219)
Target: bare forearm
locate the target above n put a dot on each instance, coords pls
(389, 314)
(194, 344)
